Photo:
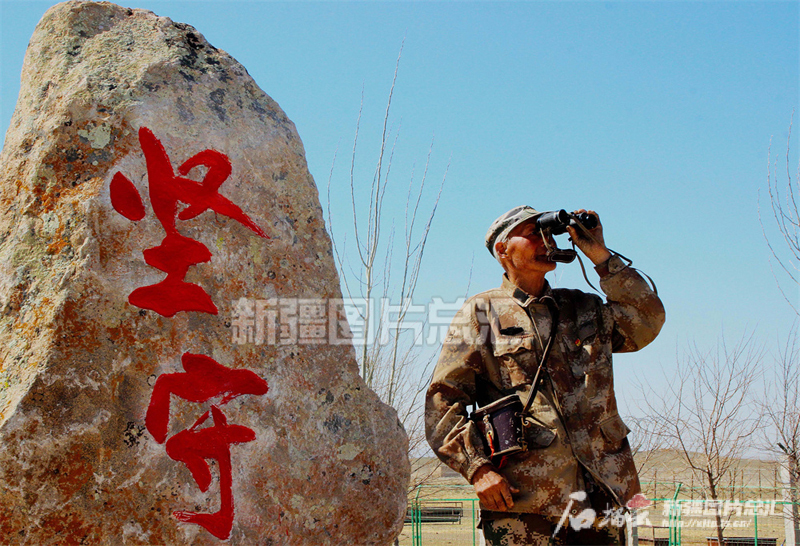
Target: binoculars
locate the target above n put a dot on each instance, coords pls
(556, 221)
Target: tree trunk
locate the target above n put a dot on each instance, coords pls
(717, 515)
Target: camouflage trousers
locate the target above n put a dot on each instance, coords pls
(510, 529)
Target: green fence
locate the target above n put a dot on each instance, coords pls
(448, 516)
(448, 519)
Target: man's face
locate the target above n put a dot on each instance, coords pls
(525, 251)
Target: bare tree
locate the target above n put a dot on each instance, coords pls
(709, 414)
(784, 202)
(646, 441)
(382, 271)
(784, 415)
(781, 409)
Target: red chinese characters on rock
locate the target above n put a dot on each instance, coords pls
(176, 253)
(204, 379)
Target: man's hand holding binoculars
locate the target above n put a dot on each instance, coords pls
(590, 241)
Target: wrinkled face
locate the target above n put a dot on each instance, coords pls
(524, 252)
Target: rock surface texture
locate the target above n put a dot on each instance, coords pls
(171, 363)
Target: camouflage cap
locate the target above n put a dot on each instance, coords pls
(501, 227)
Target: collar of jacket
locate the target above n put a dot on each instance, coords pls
(522, 298)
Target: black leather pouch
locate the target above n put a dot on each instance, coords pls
(501, 426)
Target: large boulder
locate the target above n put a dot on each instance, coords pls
(174, 364)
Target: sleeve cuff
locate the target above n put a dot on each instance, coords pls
(611, 266)
(475, 466)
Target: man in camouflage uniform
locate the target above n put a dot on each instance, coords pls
(578, 458)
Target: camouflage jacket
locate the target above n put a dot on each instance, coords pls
(493, 349)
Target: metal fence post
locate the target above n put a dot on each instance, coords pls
(755, 523)
(674, 518)
(634, 527)
(474, 529)
(416, 521)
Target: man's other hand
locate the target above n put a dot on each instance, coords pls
(493, 489)
(594, 246)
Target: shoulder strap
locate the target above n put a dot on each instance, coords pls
(486, 389)
(554, 313)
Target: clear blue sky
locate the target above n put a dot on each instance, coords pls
(656, 114)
